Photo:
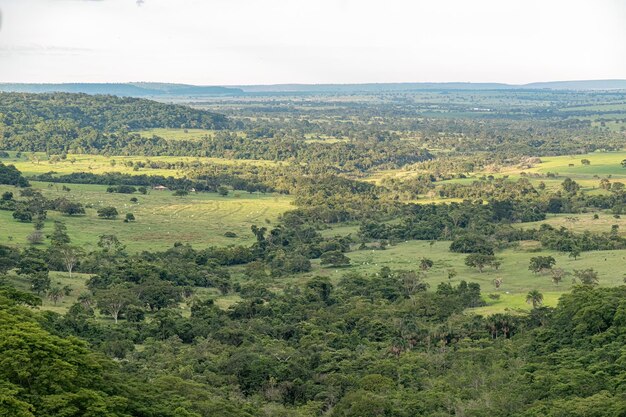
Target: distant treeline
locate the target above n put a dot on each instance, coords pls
(207, 184)
(64, 138)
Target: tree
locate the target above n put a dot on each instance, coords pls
(114, 300)
(472, 244)
(618, 187)
(334, 258)
(22, 215)
(40, 282)
(7, 196)
(180, 193)
(452, 273)
(158, 294)
(9, 258)
(70, 256)
(623, 163)
(55, 294)
(426, 264)
(130, 217)
(411, 282)
(36, 237)
(59, 236)
(498, 283)
(319, 289)
(108, 212)
(535, 298)
(479, 260)
(71, 208)
(585, 162)
(223, 191)
(570, 186)
(574, 253)
(110, 244)
(541, 263)
(586, 276)
(558, 274)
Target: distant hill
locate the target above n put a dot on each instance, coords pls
(368, 88)
(398, 87)
(23, 113)
(122, 89)
(580, 85)
(157, 90)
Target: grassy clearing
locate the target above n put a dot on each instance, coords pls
(61, 279)
(181, 134)
(38, 163)
(581, 222)
(199, 219)
(518, 280)
(602, 164)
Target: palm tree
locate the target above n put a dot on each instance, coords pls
(535, 298)
(55, 294)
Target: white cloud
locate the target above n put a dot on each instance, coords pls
(276, 41)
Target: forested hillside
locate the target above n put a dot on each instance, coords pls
(22, 113)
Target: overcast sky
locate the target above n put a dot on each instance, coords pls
(228, 42)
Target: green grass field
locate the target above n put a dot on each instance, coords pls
(200, 219)
(581, 222)
(517, 279)
(38, 163)
(61, 279)
(180, 134)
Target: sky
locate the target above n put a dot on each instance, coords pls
(240, 42)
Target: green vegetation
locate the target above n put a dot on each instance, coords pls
(418, 253)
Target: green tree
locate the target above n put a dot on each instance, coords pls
(334, 258)
(570, 186)
(55, 294)
(59, 236)
(479, 260)
(114, 300)
(586, 276)
(108, 212)
(535, 298)
(541, 263)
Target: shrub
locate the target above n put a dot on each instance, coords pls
(108, 212)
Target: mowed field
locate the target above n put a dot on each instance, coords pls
(200, 219)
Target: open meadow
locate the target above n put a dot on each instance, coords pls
(518, 280)
(37, 163)
(200, 219)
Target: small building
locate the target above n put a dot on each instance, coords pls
(159, 188)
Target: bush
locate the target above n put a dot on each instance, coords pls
(108, 212)
(121, 189)
(334, 258)
(71, 208)
(23, 216)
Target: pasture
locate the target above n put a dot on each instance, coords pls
(36, 163)
(517, 279)
(180, 134)
(200, 219)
